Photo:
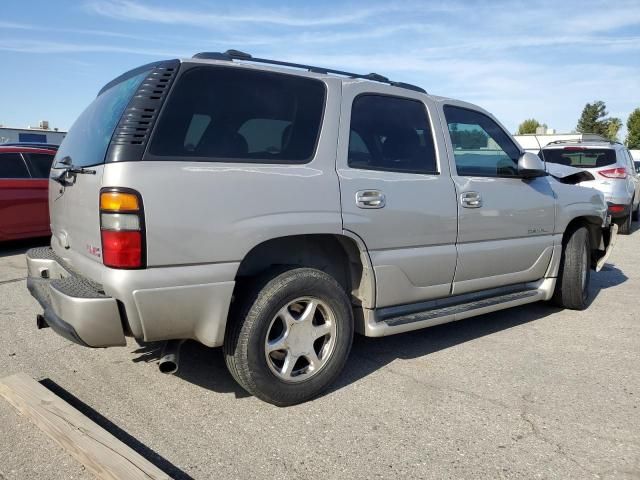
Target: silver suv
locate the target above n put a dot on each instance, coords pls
(614, 174)
(273, 209)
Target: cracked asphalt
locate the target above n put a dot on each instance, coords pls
(531, 392)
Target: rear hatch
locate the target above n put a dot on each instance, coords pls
(599, 161)
(74, 200)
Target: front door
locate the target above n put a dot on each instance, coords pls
(506, 223)
(395, 194)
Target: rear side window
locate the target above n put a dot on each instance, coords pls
(12, 166)
(39, 163)
(240, 115)
(391, 134)
(480, 147)
(89, 136)
(580, 157)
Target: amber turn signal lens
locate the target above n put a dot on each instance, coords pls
(119, 201)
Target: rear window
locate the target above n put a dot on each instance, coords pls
(580, 157)
(240, 115)
(89, 136)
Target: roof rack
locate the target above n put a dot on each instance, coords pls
(231, 55)
(579, 140)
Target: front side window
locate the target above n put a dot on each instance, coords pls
(39, 163)
(391, 134)
(240, 115)
(480, 147)
(12, 166)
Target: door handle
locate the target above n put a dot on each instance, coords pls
(471, 200)
(370, 199)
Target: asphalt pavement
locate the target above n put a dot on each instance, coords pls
(531, 392)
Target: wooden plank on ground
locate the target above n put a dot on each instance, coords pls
(99, 451)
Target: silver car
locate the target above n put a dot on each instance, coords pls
(613, 170)
(274, 209)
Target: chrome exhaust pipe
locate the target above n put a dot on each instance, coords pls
(170, 357)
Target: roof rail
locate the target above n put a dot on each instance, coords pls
(231, 55)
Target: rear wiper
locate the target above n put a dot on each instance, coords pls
(70, 170)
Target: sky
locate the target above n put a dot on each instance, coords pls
(535, 59)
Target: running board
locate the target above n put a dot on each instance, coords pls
(457, 309)
(404, 318)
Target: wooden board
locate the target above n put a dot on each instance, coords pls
(99, 451)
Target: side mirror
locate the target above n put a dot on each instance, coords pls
(530, 166)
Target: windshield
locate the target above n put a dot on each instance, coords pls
(89, 136)
(580, 157)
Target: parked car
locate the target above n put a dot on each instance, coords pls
(274, 208)
(24, 201)
(613, 170)
(46, 146)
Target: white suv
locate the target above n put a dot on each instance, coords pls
(613, 170)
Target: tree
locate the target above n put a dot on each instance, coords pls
(614, 125)
(594, 120)
(529, 126)
(633, 130)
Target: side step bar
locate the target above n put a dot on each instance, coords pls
(404, 318)
(460, 308)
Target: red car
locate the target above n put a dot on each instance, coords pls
(24, 185)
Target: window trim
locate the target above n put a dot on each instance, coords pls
(393, 170)
(455, 165)
(26, 166)
(187, 67)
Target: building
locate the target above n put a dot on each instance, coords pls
(41, 134)
(532, 142)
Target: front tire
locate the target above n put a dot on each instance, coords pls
(290, 337)
(572, 287)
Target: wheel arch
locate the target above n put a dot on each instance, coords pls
(343, 256)
(593, 224)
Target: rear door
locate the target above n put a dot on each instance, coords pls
(396, 194)
(506, 223)
(20, 199)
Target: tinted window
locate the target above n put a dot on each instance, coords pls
(232, 114)
(12, 166)
(39, 163)
(480, 147)
(89, 136)
(581, 157)
(392, 134)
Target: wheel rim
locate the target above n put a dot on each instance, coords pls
(300, 339)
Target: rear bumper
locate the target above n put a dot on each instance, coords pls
(618, 210)
(162, 303)
(74, 306)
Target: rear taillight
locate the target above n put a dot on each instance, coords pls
(619, 172)
(122, 228)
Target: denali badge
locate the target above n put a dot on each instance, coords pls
(95, 251)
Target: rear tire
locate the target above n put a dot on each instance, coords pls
(636, 213)
(572, 286)
(290, 337)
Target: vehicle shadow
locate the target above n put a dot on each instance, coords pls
(205, 367)
(16, 247)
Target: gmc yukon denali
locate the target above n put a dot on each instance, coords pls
(274, 209)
